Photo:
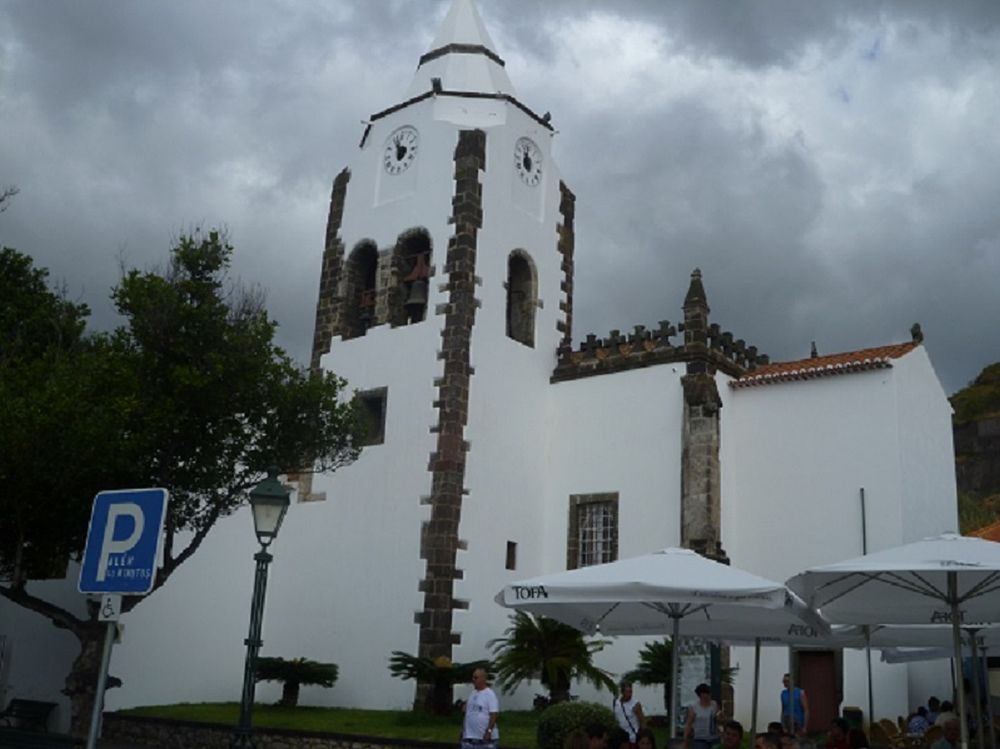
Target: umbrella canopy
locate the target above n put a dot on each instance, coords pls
(947, 579)
(645, 594)
(673, 591)
(908, 584)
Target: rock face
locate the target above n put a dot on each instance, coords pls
(977, 434)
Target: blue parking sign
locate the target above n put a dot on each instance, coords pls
(123, 541)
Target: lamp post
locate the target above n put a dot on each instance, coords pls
(269, 502)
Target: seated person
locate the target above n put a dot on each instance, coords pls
(857, 739)
(917, 723)
(767, 741)
(947, 713)
(952, 731)
(838, 734)
(775, 727)
(618, 739)
(732, 735)
(933, 708)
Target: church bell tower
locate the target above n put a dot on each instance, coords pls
(445, 291)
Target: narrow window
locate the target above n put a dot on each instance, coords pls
(374, 402)
(362, 275)
(511, 555)
(593, 530)
(522, 298)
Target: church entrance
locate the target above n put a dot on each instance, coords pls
(820, 674)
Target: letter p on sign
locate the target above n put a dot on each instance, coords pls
(123, 542)
(110, 545)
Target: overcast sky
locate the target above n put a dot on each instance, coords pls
(833, 168)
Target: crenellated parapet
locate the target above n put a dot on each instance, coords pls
(645, 347)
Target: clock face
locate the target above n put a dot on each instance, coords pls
(528, 161)
(400, 150)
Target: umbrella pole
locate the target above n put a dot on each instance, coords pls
(956, 640)
(871, 692)
(756, 687)
(978, 707)
(989, 701)
(675, 652)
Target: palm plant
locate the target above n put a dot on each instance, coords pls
(655, 667)
(293, 673)
(535, 647)
(440, 673)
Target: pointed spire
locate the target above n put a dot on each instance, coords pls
(463, 25)
(462, 57)
(696, 311)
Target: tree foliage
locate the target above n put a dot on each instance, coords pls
(536, 647)
(441, 673)
(294, 673)
(190, 394)
(980, 398)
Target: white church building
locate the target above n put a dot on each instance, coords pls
(502, 449)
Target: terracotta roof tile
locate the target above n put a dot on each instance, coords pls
(824, 366)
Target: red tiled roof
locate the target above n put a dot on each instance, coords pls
(989, 532)
(824, 366)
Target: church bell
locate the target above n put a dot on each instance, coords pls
(416, 299)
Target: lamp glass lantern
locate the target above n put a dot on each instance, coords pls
(269, 501)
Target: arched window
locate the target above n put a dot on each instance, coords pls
(522, 297)
(411, 262)
(360, 291)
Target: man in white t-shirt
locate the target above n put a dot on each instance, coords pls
(479, 729)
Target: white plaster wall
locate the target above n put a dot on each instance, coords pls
(39, 656)
(794, 457)
(618, 433)
(506, 467)
(927, 451)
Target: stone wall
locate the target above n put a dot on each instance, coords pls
(180, 734)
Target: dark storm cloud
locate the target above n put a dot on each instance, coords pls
(826, 165)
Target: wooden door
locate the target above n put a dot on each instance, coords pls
(820, 676)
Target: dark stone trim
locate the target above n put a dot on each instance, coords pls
(566, 247)
(463, 95)
(439, 537)
(328, 305)
(462, 49)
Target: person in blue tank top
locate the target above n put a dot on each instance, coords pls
(799, 710)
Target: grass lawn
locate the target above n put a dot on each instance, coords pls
(517, 729)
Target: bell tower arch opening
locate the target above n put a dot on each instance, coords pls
(360, 289)
(411, 265)
(522, 297)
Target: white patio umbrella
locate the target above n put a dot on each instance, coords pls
(947, 579)
(671, 591)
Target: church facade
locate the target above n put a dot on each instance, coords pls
(501, 448)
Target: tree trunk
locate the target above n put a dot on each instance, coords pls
(289, 693)
(559, 692)
(81, 683)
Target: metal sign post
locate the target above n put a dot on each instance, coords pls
(123, 542)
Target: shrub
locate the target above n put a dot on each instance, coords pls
(561, 719)
(293, 673)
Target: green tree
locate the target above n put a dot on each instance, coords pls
(439, 672)
(536, 647)
(655, 667)
(190, 394)
(294, 673)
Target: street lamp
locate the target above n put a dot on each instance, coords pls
(269, 502)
